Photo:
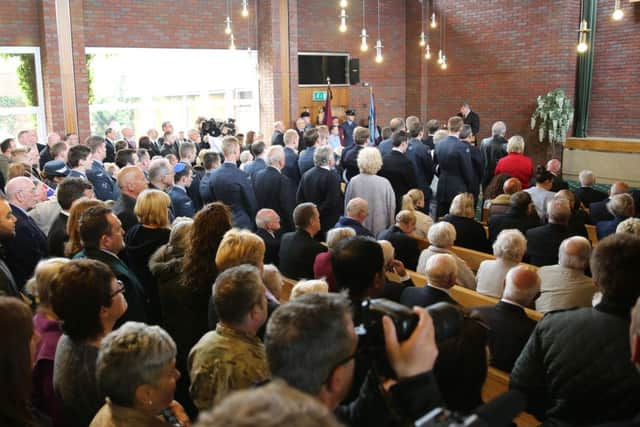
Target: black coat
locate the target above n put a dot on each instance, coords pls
(510, 219)
(588, 195)
(558, 184)
(455, 168)
(470, 233)
(425, 296)
(398, 169)
(406, 247)
(598, 212)
(291, 169)
(26, 249)
(543, 243)
(8, 287)
(111, 151)
(123, 209)
(472, 120)
(492, 150)
(57, 236)
(297, 253)
(305, 160)
(275, 191)
(322, 187)
(277, 138)
(349, 161)
(272, 246)
(509, 330)
(422, 162)
(231, 186)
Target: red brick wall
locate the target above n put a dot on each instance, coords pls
(615, 98)
(501, 56)
(318, 32)
(19, 23)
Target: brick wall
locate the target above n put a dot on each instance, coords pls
(615, 98)
(501, 56)
(19, 23)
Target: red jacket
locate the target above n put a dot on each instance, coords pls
(518, 166)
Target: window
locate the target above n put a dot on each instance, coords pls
(144, 87)
(21, 92)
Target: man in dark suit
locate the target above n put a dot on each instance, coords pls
(622, 207)
(210, 161)
(298, 249)
(455, 168)
(349, 158)
(29, 246)
(45, 153)
(441, 276)
(231, 186)
(110, 137)
(347, 128)
(321, 186)
(544, 241)
(555, 167)
(278, 134)
(586, 193)
(509, 325)
(398, 169)
(103, 238)
(291, 169)
(470, 118)
(399, 234)
(310, 141)
(492, 150)
(432, 127)
(521, 214)
(420, 157)
(598, 210)
(79, 160)
(258, 149)
(180, 200)
(103, 184)
(268, 227)
(357, 212)
(69, 190)
(8, 286)
(188, 155)
(274, 190)
(385, 146)
(131, 182)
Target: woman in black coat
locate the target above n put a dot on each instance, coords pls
(470, 233)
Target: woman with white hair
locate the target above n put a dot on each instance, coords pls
(376, 190)
(144, 396)
(515, 163)
(509, 248)
(322, 268)
(629, 225)
(441, 237)
(470, 233)
(315, 286)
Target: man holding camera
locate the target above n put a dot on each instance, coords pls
(311, 343)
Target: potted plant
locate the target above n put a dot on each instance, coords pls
(553, 116)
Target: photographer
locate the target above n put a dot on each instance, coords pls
(311, 343)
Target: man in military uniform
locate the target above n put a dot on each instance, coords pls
(347, 128)
(232, 357)
(103, 185)
(180, 200)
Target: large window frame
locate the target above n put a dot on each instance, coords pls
(39, 110)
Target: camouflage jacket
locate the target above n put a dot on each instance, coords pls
(223, 361)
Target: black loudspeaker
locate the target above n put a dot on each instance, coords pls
(354, 71)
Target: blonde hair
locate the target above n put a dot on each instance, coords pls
(239, 247)
(406, 217)
(629, 225)
(40, 285)
(411, 199)
(515, 144)
(152, 208)
(335, 235)
(463, 205)
(303, 287)
(369, 160)
(74, 244)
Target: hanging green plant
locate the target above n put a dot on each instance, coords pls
(553, 116)
(88, 59)
(26, 72)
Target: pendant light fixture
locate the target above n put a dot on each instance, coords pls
(245, 8)
(227, 28)
(434, 23)
(232, 42)
(618, 14)
(363, 35)
(379, 58)
(443, 40)
(422, 37)
(343, 21)
(343, 4)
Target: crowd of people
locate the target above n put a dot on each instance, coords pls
(141, 282)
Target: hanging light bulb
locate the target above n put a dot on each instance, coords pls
(617, 11)
(423, 41)
(427, 52)
(245, 8)
(378, 51)
(343, 21)
(582, 43)
(232, 42)
(363, 41)
(343, 4)
(434, 23)
(440, 57)
(227, 29)
(444, 62)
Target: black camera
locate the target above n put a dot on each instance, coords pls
(216, 128)
(447, 322)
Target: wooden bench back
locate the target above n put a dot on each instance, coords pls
(591, 232)
(287, 286)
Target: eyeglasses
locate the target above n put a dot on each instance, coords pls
(119, 290)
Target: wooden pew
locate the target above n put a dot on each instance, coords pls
(287, 286)
(591, 232)
(497, 382)
(474, 258)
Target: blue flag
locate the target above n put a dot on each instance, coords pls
(373, 129)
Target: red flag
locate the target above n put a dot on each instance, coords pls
(327, 107)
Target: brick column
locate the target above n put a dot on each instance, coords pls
(80, 68)
(51, 67)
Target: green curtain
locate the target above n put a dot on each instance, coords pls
(585, 71)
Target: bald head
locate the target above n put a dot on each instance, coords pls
(511, 186)
(574, 253)
(358, 209)
(554, 166)
(131, 181)
(21, 191)
(267, 218)
(618, 187)
(559, 211)
(568, 195)
(441, 271)
(522, 285)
